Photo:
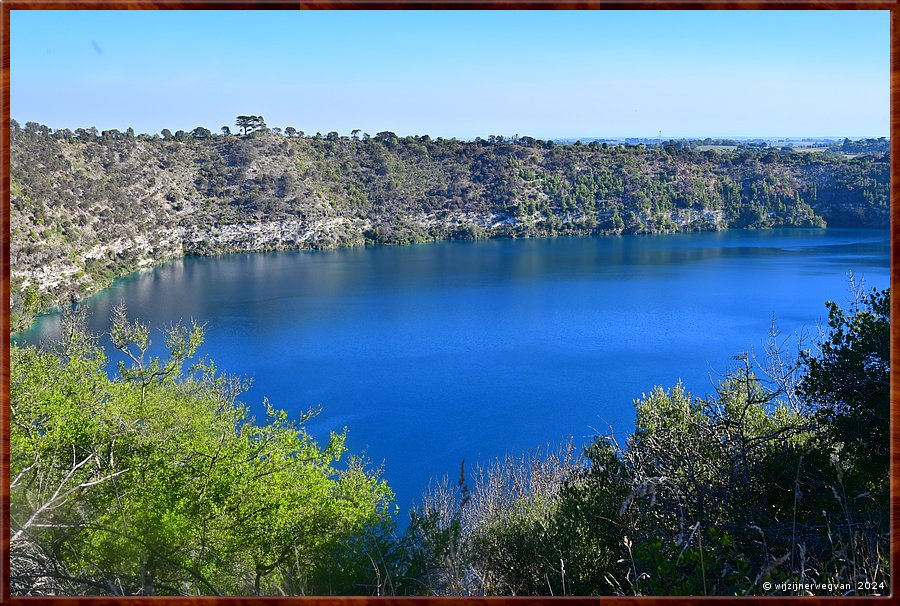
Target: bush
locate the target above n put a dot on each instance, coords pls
(158, 481)
(498, 538)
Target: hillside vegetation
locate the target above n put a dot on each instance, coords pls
(87, 207)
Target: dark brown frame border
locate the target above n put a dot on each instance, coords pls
(6, 5)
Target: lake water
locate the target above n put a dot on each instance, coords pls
(435, 353)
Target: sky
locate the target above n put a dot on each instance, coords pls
(546, 74)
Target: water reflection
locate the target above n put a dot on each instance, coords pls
(434, 353)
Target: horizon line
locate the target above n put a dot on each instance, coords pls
(619, 137)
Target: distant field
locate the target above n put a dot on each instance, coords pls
(813, 150)
(717, 147)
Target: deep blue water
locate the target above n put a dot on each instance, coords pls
(435, 353)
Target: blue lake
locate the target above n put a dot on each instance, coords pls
(435, 353)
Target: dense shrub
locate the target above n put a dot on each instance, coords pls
(159, 482)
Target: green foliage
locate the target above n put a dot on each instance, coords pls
(159, 481)
(849, 381)
(25, 303)
(589, 523)
(713, 565)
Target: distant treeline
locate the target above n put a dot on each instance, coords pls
(863, 146)
(877, 146)
(88, 206)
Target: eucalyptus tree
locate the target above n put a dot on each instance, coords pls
(251, 124)
(201, 133)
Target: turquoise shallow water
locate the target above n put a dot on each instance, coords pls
(435, 353)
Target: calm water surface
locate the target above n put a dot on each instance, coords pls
(435, 353)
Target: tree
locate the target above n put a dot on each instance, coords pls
(226, 131)
(245, 123)
(34, 128)
(158, 481)
(201, 133)
(251, 124)
(290, 131)
(387, 137)
(166, 134)
(849, 380)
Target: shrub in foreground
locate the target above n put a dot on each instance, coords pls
(158, 481)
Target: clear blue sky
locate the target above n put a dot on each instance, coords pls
(548, 74)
